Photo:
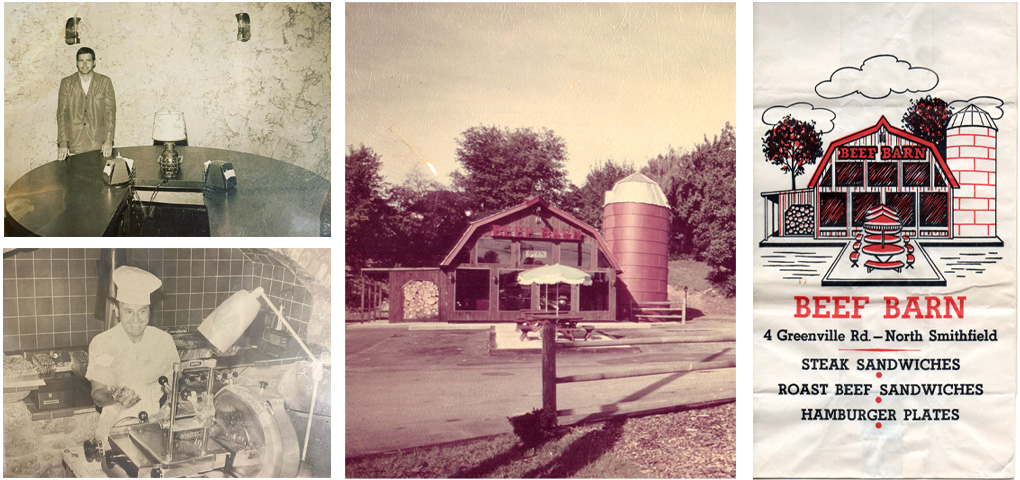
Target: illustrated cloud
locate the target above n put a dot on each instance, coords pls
(802, 111)
(991, 105)
(878, 77)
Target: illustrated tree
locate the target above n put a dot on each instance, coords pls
(585, 202)
(791, 144)
(927, 118)
(503, 167)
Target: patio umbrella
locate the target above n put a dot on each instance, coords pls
(554, 275)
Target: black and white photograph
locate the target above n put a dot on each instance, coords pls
(539, 229)
(167, 362)
(167, 119)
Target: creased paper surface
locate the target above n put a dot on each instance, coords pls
(885, 249)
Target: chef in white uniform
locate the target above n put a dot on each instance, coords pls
(126, 361)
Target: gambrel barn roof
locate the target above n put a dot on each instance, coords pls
(883, 123)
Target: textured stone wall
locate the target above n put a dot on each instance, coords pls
(34, 448)
(269, 96)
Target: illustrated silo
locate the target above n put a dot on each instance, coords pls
(971, 155)
(635, 225)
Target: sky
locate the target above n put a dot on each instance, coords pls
(616, 81)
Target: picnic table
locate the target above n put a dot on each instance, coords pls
(565, 324)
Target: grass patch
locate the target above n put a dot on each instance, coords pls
(584, 452)
(695, 443)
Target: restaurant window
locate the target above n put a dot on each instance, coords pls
(940, 181)
(833, 209)
(863, 201)
(575, 254)
(826, 177)
(849, 174)
(882, 174)
(934, 209)
(557, 294)
(916, 174)
(472, 289)
(903, 203)
(536, 253)
(603, 260)
(492, 250)
(595, 297)
(512, 295)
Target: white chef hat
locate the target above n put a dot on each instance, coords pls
(135, 285)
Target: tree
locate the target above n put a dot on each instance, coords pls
(927, 118)
(428, 221)
(586, 203)
(701, 190)
(365, 210)
(791, 144)
(503, 167)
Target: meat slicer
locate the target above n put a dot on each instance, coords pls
(239, 431)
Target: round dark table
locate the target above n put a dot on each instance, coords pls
(69, 198)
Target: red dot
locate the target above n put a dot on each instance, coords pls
(878, 375)
(878, 424)
(878, 399)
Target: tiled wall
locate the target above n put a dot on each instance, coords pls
(283, 287)
(49, 294)
(49, 298)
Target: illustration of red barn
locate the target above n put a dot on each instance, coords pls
(949, 197)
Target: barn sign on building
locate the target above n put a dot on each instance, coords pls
(936, 196)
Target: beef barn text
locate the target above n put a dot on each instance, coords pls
(894, 307)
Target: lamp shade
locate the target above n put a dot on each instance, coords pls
(229, 320)
(169, 127)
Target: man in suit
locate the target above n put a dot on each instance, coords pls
(86, 110)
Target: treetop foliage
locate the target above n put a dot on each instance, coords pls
(586, 202)
(503, 167)
(701, 189)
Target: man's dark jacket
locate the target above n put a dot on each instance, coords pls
(84, 122)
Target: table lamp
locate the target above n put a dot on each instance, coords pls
(168, 127)
(229, 320)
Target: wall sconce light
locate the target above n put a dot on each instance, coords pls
(243, 27)
(453, 278)
(71, 31)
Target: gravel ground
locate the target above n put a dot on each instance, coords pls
(697, 443)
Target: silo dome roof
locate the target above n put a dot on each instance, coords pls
(637, 188)
(972, 116)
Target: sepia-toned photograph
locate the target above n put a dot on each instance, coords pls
(167, 119)
(167, 362)
(540, 266)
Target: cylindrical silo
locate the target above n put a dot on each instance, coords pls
(635, 225)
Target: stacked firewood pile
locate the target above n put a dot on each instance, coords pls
(800, 220)
(421, 300)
